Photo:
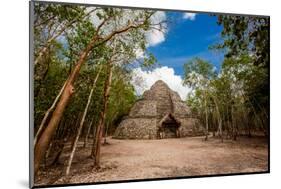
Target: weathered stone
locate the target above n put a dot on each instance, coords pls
(157, 115)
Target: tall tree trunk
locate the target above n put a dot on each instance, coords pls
(55, 137)
(105, 134)
(264, 126)
(75, 129)
(255, 113)
(206, 117)
(249, 131)
(43, 143)
(107, 125)
(101, 122)
(219, 117)
(234, 125)
(87, 134)
(39, 131)
(46, 136)
(81, 125)
(90, 126)
(94, 142)
(223, 117)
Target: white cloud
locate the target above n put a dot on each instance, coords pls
(154, 36)
(189, 16)
(143, 80)
(157, 35)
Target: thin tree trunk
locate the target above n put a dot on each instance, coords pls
(105, 134)
(76, 128)
(107, 125)
(206, 117)
(219, 118)
(39, 131)
(73, 149)
(56, 159)
(255, 113)
(234, 125)
(249, 131)
(101, 122)
(61, 147)
(227, 122)
(45, 138)
(264, 127)
(246, 122)
(81, 125)
(94, 142)
(87, 134)
(221, 123)
(220, 130)
(261, 108)
(43, 142)
(86, 138)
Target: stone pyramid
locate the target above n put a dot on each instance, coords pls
(160, 113)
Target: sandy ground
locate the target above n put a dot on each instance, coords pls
(143, 159)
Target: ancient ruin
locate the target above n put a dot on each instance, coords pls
(160, 113)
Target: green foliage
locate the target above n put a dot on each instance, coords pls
(121, 99)
(197, 72)
(245, 35)
(66, 31)
(232, 96)
(239, 94)
(199, 66)
(247, 41)
(149, 61)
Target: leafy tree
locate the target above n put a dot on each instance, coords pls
(249, 36)
(83, 45)
(198, 74)
(245, 35)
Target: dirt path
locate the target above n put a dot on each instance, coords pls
(142, 159)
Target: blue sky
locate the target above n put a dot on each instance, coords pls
(187, 38)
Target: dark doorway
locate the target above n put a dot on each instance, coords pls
(170, 126)
(170, 130)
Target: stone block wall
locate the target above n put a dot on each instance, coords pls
(181, 109)
(144, 108)
(190, 127)
(137, 128)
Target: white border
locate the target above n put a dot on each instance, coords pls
(14, 78)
